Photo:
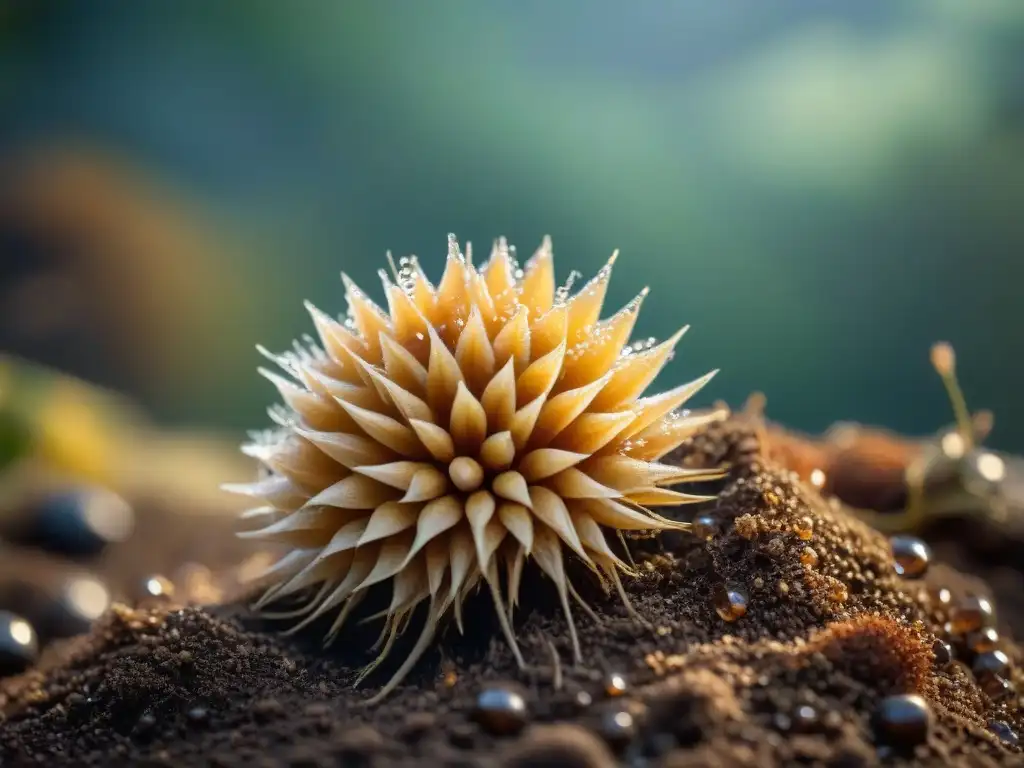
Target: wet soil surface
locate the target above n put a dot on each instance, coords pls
(781, 635)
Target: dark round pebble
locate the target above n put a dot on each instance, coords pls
(991, 663)
(911, 556)
(82, 522)
(704, 527)
(198, 715)
(903, 720)
(80, 601)
(983, 640)
(1005, 733)
(501, 711)
(943, 653)
(19, 647)
(805, 717)
(997, 688)
(618, 728)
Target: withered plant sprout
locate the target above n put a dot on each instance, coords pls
(476, 426)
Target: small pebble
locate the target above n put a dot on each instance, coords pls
(730, 603)
(19, 647)
(82, 522)
(1004, 732)
(911, 556)
(615, 684)
(809, 557)
(991, 663)
(983, 640)
(198, 715)
(971, 614)
(943, 653)
(158, 586)
(804, 528)
(805, 717)
(618, 728)
(703, 527)
(81, 600)
(903, 720)
(501, 711)
(997, 688)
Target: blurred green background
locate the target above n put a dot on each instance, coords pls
(821, 189)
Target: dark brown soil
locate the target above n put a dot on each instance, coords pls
(795, 681)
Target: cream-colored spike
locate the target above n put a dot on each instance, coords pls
(559, 411)
(635, 373)
(500, 280)
(387, 431)
(468, 421)
(437, 517)
(613, 514)
(625, 473)
(402, 366)
(545, 462)
(426, 484)
(397, 474)
(443, 376)
(549, 508)
(348, 450)
(474, 353)
(355, 492)
(409, 405)
(573, 484)
(662, 437)
(368, 318)
(435, 439)
(548, 331)
(548, 554)
(590, 432)
(594, 356)
(388, 519)
(650, 409)
(362, 563)
(539, 378)
(537, 290)
(316, 411)
(523, 421)
(519, 522)
(499, 398)
(275, 490)
(512, 486)
(513, 341)
(585, 306)
(409, 326)
(343, 347)
(498, 451)
(663, 497)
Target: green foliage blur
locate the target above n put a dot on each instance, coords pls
(820, 189)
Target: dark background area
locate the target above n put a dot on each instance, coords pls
(822, 190)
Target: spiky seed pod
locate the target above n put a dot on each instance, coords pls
(478, 425)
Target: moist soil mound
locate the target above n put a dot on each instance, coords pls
(769, 639)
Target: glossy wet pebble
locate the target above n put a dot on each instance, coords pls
(911, 556)
(730, 602)
(19, 648)
(81, 522)
(991, 663)
(903, 720)
(943, 653)
(618, 728)
(1005, 733)
(501, 711)
(78, 603)
(971, 614)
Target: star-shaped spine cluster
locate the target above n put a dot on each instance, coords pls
(475, 427)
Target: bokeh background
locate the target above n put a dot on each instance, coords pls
(821, 189)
